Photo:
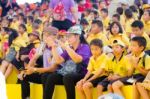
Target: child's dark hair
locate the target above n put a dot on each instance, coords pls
(104, 10)
(38, 21)
(98, 22)
(119, 10)
(137, 23)
(117, 16)
(95, 12)
(30, 18)
(88, 11)
(128, 13)
(84, 22)
(23, 26)
(133, 8)
(141, 41)
(97, 42)
(115, 23)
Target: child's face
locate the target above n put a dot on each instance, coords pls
(137, 31)
(115, 29)
(146, 16)
(95, 28)
(102, 5)
(135, 48)
(117, 49)
(32, 38)
(21, 29)
(92, 16)
(103, 14)
(115, 19)
(95, 50)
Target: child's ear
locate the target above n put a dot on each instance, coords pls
(142, 48)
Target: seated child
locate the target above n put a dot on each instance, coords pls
(97, 62)
(140, 66)
(117, 67)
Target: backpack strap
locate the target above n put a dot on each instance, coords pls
(143, 61)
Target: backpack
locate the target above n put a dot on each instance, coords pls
(59, 13)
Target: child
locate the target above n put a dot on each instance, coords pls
(137, 30)
(29, 24)
(120, 11)
(144, 87)
(117, 67)
(20, 41)
(128, 21)
(3, 42)
(97, 61)
(97, 32)
(117, 33)
(116, 18)
(146, 21)
(24, 53)
(140, 66)
(105, 17)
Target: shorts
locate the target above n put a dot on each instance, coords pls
(105, 83)
(97, 80)
(137, 77)
(11, 55)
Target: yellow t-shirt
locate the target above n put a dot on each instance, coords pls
(20, 41)
(106, 22)
(128, 28)
(122, 20)
(36, 43)
(100, 36)
(120, 68)
(29, 28)
(121, 37)
(95, 65)
(3, 39)
(146, 26)
(14, 25)
(140, 64)
(147, 40)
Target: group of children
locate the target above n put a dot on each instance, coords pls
(120, 47)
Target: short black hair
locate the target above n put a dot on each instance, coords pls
(137, 23)
(30, 18)
(98, 22)
(128, 13)
(37, 21)
(84, 22)
(23, 26)
(134, 8)
(97, 42)
(119, 10)
(140, 40)
(105, 10)
(117, 16)
(118, 24)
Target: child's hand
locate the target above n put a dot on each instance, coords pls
(81, 82)
(113, 77)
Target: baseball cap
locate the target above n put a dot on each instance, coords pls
(118, 42)
(76, 29)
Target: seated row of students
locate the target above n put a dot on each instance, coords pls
(115, 72)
